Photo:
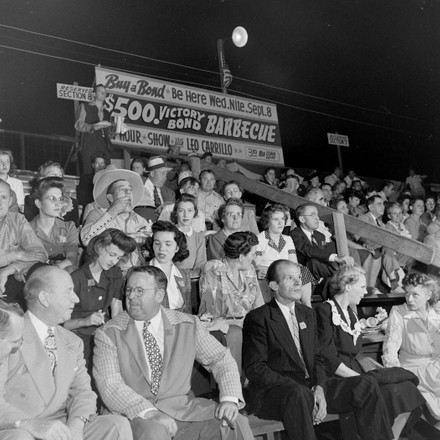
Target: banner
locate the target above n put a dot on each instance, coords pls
(159, 114)
(76, 93)
(338, 139)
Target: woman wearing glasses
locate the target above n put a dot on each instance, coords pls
(98, 285)
(59, 238)
(230, 215)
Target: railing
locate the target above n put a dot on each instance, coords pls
(419, 251)
(31, 150)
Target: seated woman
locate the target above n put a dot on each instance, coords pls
(340, 340)
(59, 238)
(165, 247)
(185, 209)
(229, 289)
(7, 166)
(98, 285)
(274, 245)
(412, 339)
(414, 224)
(429, 215)
(69, 210)
(233, 190)
(230, 215)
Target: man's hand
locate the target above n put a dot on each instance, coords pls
(228, 412)
(120, 205)
(96, 318)
(5, 272)
(165, 420)
(346, 259)
(76, 426)
(47, 429)
(320, 408)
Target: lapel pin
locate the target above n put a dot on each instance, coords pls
(302, 325)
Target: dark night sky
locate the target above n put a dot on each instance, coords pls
(381, 57)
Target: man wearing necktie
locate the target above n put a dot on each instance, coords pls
(143, 365)
(287, 378)
(45, 393)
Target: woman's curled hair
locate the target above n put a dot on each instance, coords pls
(239, 243)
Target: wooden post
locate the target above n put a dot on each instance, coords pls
(127, 158)
(22, 152)
(340, 233)
(195, 166)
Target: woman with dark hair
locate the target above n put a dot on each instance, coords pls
(340, 340)
(167, 246)
(412, 340)
(229, 289)
(59, 238)
(185, 209)
(69, 208)
(138, 166)
(429, 215)
(274, 245)
(230, 215)
(98, 285)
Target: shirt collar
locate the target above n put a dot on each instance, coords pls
(155, 323)
(40, 327)
(285, 310)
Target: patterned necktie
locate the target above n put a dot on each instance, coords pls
(51, 347)
(154, 358)
(314, 239)
(157, 201)
(295, 335)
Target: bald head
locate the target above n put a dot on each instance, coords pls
(5, 198)
(49, 294)
(315, 195)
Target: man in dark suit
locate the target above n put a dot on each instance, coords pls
(287, 379)
(311, 248)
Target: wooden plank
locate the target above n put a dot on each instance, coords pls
(419, 251)
(340, 234)
(127, 158)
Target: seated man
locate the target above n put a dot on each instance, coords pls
(20, 249)
(311, 248)
(143, 364)
(117, 192)
(45, 392)
(11, 333)
(317, 195)
(155, 191)
(287, 378)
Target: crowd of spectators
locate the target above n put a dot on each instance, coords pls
(132, 248)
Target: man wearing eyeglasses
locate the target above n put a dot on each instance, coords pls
(20, 249)
(143, 364)
(312, 250)
(45, 390)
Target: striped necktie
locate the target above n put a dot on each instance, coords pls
(295, 335)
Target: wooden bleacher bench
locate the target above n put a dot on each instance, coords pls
(271, 429)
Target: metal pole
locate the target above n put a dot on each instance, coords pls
(221, 63)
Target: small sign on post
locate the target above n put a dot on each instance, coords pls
(338, 140)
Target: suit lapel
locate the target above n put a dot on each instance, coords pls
(282, 333)
(169, 333)
(134, 342)
(37, 362)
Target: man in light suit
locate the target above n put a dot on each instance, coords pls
(44, 388)
(287, 378)
(143, 364)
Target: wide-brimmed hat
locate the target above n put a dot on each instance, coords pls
(110, 176)
(98, 174)
(157, 163)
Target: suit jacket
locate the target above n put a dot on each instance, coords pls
(368, 217)
(121, 371)
(270, 357)
(314, 256)
(27, 388)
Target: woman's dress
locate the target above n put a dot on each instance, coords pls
(414, 344)
(340, 341)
